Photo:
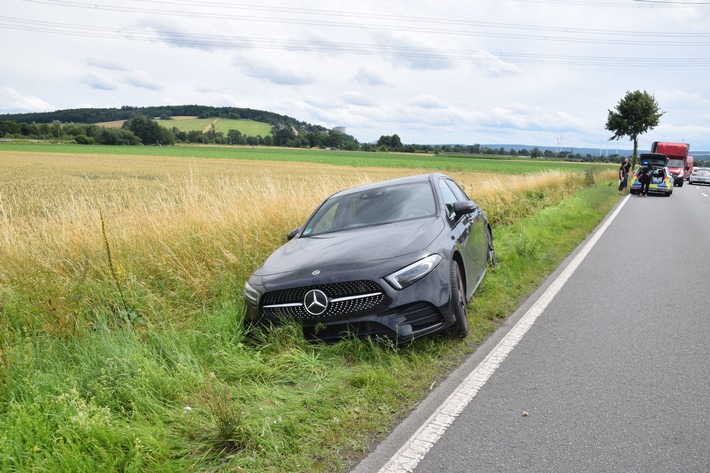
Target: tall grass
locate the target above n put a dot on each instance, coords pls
(87, 240)
(174, 235)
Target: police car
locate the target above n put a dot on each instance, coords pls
(661, 179)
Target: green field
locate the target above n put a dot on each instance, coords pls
(221, 125)
(444, 163)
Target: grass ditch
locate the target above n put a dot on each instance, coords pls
(179, 387)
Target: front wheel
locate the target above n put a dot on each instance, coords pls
(458, 304)
(492, 260)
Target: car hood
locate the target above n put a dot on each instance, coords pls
(371, 251)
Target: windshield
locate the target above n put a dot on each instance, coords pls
(373, 207)
(675, 163)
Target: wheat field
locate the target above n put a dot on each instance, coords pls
(95, 236)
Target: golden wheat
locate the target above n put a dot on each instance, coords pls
(181, 232)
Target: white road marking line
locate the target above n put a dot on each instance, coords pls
(418, 445)
(703, 194)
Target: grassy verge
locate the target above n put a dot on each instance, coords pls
(121, 345)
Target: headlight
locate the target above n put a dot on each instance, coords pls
(414, 272)
(251, 295)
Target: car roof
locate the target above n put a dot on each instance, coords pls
(389, 182)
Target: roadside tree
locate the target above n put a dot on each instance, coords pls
(635, 114)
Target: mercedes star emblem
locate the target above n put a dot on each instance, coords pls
(315, 302)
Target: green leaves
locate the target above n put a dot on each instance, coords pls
(635, 114)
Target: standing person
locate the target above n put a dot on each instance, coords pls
(644, 178)
(627, 168)
(624, 174)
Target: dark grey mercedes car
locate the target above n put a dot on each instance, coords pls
(396, 259)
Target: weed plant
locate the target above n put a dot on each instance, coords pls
(177, 385)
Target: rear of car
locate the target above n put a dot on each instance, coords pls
(700, 176)
(661, 178)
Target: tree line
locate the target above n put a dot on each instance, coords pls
(100, 115)
(142, 130)
(79, 126)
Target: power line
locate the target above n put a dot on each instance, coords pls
(243, 42)
(564, 34)
(673, 3)
(623, 4)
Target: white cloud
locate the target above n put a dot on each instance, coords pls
(270, 70)
(412, 52)
(681, 96)
(193, 35)
(368, 76)
(99, 81)
(427, 101)
(141, 80)
(11, 101)
(354, 98)
(492, 65)
(108, 64)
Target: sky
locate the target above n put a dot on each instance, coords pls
(528, 72)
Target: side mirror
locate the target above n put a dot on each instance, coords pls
(292, 233)
(463, 207)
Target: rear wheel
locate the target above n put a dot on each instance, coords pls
(458, 303)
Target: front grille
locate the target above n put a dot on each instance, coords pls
(344, 299)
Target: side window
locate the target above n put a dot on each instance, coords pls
(458, 192)
(448, 196)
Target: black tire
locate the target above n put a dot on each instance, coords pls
(492, 259)
(458, 304)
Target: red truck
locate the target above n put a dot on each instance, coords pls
(679, 163)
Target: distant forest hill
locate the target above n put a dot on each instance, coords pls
(100, 115)
(140, 127)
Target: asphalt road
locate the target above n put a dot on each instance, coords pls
(612, 374)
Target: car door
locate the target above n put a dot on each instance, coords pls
(469, 232)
